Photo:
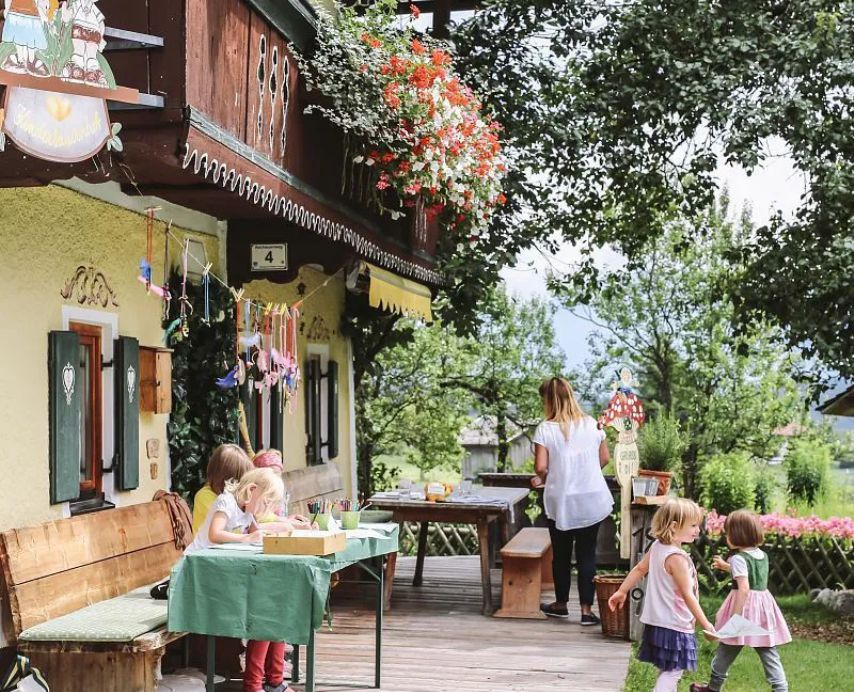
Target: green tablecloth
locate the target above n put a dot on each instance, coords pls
(250, 595)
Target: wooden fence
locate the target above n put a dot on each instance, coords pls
(796, 565)
(442, 539)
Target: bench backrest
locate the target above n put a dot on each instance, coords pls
(323, 480)
(64, 565)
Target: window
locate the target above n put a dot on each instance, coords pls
(321, 412)
(91, 409)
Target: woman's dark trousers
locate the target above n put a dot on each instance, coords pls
(584, 540)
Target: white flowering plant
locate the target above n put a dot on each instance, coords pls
(420, 131)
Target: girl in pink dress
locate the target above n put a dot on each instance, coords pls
(751, 599)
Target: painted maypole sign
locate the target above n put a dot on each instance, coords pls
(57, 80)
(625, 414)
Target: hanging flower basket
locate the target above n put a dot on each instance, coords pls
(411, 123)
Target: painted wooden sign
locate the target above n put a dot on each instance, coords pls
(625, 414)
(58, 80)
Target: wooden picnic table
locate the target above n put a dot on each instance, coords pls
(505, 501)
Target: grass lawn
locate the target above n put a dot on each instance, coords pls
(414, 474)
(811, 665)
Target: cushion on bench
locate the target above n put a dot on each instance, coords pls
(120, 619)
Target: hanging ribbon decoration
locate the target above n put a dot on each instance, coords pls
(206, 284)
(185, 302)
(145, 264)
(167, 294)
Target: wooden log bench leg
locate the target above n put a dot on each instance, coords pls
(117, 671)
(547, 578)
(520, 590)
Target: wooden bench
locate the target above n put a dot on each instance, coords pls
(527, 567)
(76, 587)
(323, 480)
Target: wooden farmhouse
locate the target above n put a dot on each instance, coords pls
(215, 141)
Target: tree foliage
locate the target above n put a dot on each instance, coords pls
(203, 416)
(416, 392)
(671, 318)
(618, 114)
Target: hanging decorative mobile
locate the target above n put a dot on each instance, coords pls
(184, 301)
(206, 283)
(145, 263)
(167, 294)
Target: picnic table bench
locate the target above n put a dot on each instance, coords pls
(78, 594)
(526, 566)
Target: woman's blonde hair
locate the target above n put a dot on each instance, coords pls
(673, 516)
(228, 462)
(560, 404)
(269, 482)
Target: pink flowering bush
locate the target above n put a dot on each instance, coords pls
(791, 526)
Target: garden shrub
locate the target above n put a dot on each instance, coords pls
(766, 485)
(728, 482)
(660, 444)
(807, 465)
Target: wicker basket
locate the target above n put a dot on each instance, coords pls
(614, 623)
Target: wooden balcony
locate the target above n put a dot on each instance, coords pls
(221, 129)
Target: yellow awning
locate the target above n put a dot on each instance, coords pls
(394, 293)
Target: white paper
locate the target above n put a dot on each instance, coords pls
(248, 547)
(387, 527)
(29, 684)
(364, 533)
(738, 626)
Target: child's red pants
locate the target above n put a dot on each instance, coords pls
(264, 661)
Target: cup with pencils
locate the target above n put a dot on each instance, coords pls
(321, 511)
(350, 513)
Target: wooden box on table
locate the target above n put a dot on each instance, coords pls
(305, 542)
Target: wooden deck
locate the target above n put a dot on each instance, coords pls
(436, 639)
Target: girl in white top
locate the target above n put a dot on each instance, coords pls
(569, 453)
(670, 605)
(231, 518)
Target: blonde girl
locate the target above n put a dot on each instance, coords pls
(228, 462)
(751, 599)
(231, 519)
(671, 606)
(569, 453)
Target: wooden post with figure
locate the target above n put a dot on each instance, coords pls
(625, 414)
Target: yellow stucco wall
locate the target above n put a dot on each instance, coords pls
(45, 234)
(320, 326)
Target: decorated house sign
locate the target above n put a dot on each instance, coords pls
(58, 80)
(625, 414)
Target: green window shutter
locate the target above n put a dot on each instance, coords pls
(250, 407)
(126, 369)
(332, 408)
(64, 409)
(277, 437)
(312, 417)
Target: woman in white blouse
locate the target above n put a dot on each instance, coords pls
(569, 454)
